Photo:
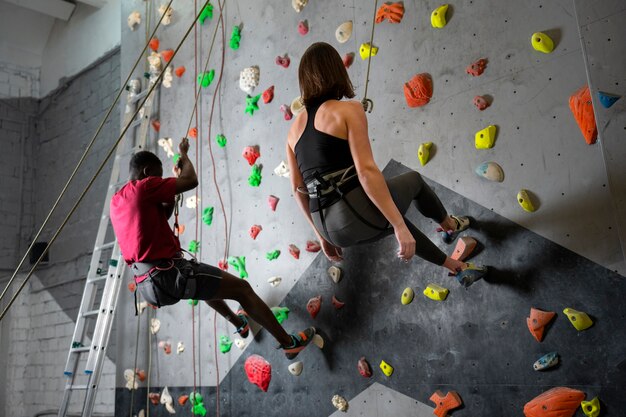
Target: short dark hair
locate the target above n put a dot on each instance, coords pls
(141, 160)
(322, 75)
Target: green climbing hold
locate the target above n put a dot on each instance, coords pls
(239, 263)
(197, 404)
(76, 345)
(207, 216)
(206, 78)
(207, 12)
(235, 37)
(192, 302)
(255, 176)
(270, 256)
(194, 246)
(225, 344)
(281, 314)
(251, 104)
(221, 140)
(146, 75)
(176, 158)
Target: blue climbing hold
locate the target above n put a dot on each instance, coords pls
(607, 100)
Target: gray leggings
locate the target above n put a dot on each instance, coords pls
(344, 228)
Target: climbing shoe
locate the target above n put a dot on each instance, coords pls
(244, 329)
(300, 341)
(448, 236)
(471, 274)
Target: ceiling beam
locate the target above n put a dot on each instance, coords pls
(56, 8)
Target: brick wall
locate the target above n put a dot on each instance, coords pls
(17, 81)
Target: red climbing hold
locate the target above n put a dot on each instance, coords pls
(287, 113)
(251, 154)
(182, 400)
(167, 55)
(314, 305)
(477, 67)
(443, 404)
(193, 133)
(336, 303)
(556, 402)
(582, 108)
(154, 44)
(294, 251)
(156, 125)
(348, 59)
(132, 286)
(272, 200)
(537, 322)
(393, 12)
(312, 246)
(418, 90)
(154, 398)
(141, 374)
(222, 264)
(268, 95)
(283, 61)
(255, 230)
(179, 71)
(303, 27)
(481, 102)
(259, 371)
(364, 367)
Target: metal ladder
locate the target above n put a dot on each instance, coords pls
(106, 247)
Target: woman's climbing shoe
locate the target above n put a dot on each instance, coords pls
(300, 341)
(244, 329)
(471, 274)
(448, 236)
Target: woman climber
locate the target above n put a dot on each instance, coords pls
(139, 213)
(338, 186)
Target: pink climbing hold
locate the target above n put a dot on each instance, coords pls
(255, 230)
(348, 59)
(481, 102)
(283, 61)
(294, 251)
(312, 246)
(364, 367)
(272, 200)
(336, 303)
(268, 95)
(222, 264)
(477, 67)
(287, 114)
(314, 305)
(303, 27)
(259, 371)
(251, 154)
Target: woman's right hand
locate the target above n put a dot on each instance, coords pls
(332, 252)
(406, 242)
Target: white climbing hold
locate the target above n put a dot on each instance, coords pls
(142, 413)
(141, 306)
(167, 401)
(318, 341)
(297, 105)
(192, 202)
(154, 66)
(490, 171)
(340, 403)
(155, 325)
(274, 281)
(240, 343)
(180, 348)
(168, 146)
(167, 13)
(344, 31)
(282, 170)
(335, 273)
(296, 368)
(249, 79)
(168, 77)
(131, 379)
(134, 20)
(298, 5)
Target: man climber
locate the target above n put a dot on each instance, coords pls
(139, 213)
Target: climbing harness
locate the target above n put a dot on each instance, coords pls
(366, 102)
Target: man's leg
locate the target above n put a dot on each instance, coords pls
(222, 308)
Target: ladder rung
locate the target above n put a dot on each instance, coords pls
(97, 278)
(91, 313)
(139, 96)
(105, 245)
(80, 349)
(135, 123)
(77, 387)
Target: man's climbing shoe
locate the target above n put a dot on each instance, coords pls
(300, 341)
(471, 274)
(244, 329)
(448, 236)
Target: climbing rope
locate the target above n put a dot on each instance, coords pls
(132, 393)
(366, 102)
(80, 162)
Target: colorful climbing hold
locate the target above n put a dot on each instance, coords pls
(312, 246)
(591, 408)
(295, 368)
(225, 344)
(407, 296)
(182, 400)
(207, 216)
(393, 12)
(579, 319)
(481, 103)
(423, 153)
(443, 404)
(166, 346)
(192, 133)
(194, 246)
(197, 404)
(464, 247)
(179, 71)
(314, 305)
(435, 292)
(477, 68)
(287, 113)
(582, 108)
(239, 263)
(335, 273)
(154, 398)
(235, 37)
(268, 95)
(538, 321)
(303, 27)
(168, 146)
(272, 201)
(556, 402)
(167, 55)
(485, 138)
(251, 104)
(366, 50)
(221, 140)
(344, 31)
(249, 79)
(340, 403)
(255, 230)
(606, 99)
(418, 90)
(348, 59)
(281, 314)
(274, 281)
(192, 302)
(386, 368)
(255, 176)
(438, 16)
(546, 361)
(259, 371)
(294, 251)
(524, 201)
(270, 256)
(491, 171)
(207, 13)
(222, 264)
(542, 42)
(283, 61)
(364, 367)
(336, 303)
(251, 154)
(205, 78)
(154, 44)
(298, 5)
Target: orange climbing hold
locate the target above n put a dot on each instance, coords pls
(156, 125)
(193, 133)
(556, 402)
(393, 12)
(179, 71)
(443, 404)
(154, 44)
(167, 55)
(581, 106)
(477, 68)
(464, 247)
(418, 90)
(182, 400)
(537, 322)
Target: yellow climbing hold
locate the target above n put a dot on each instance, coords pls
(486, 138)
(438, 16)
(524, 200)
(579, 319)
(435, 292)
(591, 408)
(386, 368)
(542, 42)
(365, 48)
(423, 153)
(407, 295)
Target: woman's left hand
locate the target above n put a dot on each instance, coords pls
(332, 252)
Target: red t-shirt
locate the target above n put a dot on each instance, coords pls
(140, 220)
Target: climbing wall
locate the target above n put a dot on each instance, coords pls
(538, 144)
